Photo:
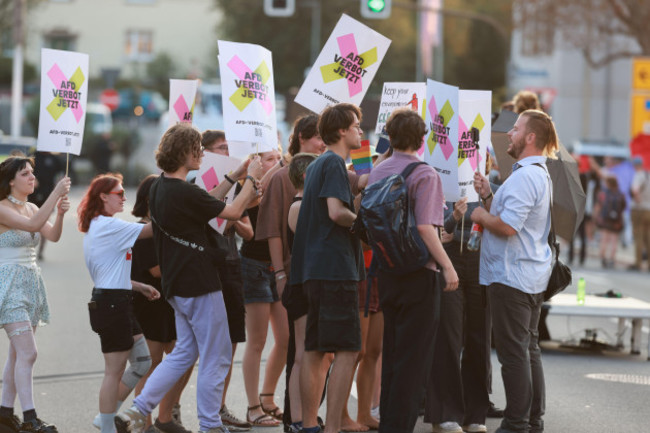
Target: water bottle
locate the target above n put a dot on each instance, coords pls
(581, 291)
(474, 242)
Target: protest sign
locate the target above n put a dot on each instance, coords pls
(401, 95)
(441, 145)
(248, 96)
(345, 67)
(64, 92)
(211, 173)
(182, 96)
(475, 111)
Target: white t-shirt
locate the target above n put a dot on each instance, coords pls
(107, 250)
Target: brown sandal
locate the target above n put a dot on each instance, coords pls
(275, 412)
(264, 420)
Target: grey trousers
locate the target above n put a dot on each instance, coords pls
(515, 316)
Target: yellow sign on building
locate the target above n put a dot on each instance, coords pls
(640, 113)
(641, 73)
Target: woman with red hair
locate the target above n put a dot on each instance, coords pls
(107, 250)
(23, 301)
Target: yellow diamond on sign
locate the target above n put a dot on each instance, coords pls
(641, 73)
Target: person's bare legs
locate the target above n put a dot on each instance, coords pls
(225, 385)
(257, 325)
(347, 423)
(295, 400)
(112, 387)
(19, 368)
(312, 380)
(337, 388)
(367, 370)
(376, 393)
(277, 359)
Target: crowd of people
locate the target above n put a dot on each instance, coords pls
(168, 290)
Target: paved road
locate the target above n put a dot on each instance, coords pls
(69, 368)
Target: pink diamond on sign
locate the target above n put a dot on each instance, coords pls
(220, 221)
(182, 110)
(210, 179)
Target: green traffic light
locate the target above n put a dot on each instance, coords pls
(376, 5)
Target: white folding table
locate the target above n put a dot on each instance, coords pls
(624, 309)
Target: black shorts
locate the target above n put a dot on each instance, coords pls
(295, 301)
(111, 316)
(333, 319)
(233, 297)
(156, 318)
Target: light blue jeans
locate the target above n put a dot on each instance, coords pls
(202, 332)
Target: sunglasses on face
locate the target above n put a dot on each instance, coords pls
(120, 193)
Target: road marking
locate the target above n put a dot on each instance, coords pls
(620, 378)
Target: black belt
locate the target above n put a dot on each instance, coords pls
(112, 294)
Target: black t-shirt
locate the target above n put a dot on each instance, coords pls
(180, 212)
(254, 249)
(322, 249)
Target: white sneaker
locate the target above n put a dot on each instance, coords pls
(475, 428)
(130, 421)
(375, 412)
(445, 427)
(97, 422)
(220, 429)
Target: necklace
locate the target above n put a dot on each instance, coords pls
(14, 200)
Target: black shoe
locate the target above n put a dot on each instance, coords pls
(13, 422)
(37, 426)
(494, 412)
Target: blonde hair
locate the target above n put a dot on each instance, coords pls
(525, 100)
(543, 127)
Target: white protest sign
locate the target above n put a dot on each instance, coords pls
(345, 67)
(182, 96)
(211, 173)
(475, 111)
(442, 141)
(401, 95)
(248, 95)
(64, 92)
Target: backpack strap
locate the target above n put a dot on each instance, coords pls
(409, 169)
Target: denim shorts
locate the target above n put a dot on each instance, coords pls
(259, 281)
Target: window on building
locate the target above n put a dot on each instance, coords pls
(61, 39)
(139, 45)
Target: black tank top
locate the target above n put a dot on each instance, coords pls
(290, 233)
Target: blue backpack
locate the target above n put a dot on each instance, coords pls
(389, 224)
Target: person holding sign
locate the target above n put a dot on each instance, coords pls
(23, 301)
(180, 213)
(108, 244)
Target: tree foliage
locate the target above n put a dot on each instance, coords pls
(604, 30)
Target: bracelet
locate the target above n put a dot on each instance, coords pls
(278, 271)
(280, 277)
(490, 195)
(252, 179)
(229, 179)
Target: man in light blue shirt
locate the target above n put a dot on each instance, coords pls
(516, 266)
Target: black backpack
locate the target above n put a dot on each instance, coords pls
(389, 224)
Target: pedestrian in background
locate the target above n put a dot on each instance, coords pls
(640, 210)
(611, 206)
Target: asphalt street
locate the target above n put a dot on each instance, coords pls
(586, 391)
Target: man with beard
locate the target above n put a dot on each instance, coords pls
(515, 266)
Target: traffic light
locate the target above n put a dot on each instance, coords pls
(375, 9)
(279, 8)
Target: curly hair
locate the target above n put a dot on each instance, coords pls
(334, 118)
(141, 206)
(91, 204)
(175, 145)
(8, 170)
(305, 127)
(525, 100)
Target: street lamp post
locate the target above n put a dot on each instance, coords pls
(17, 69)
